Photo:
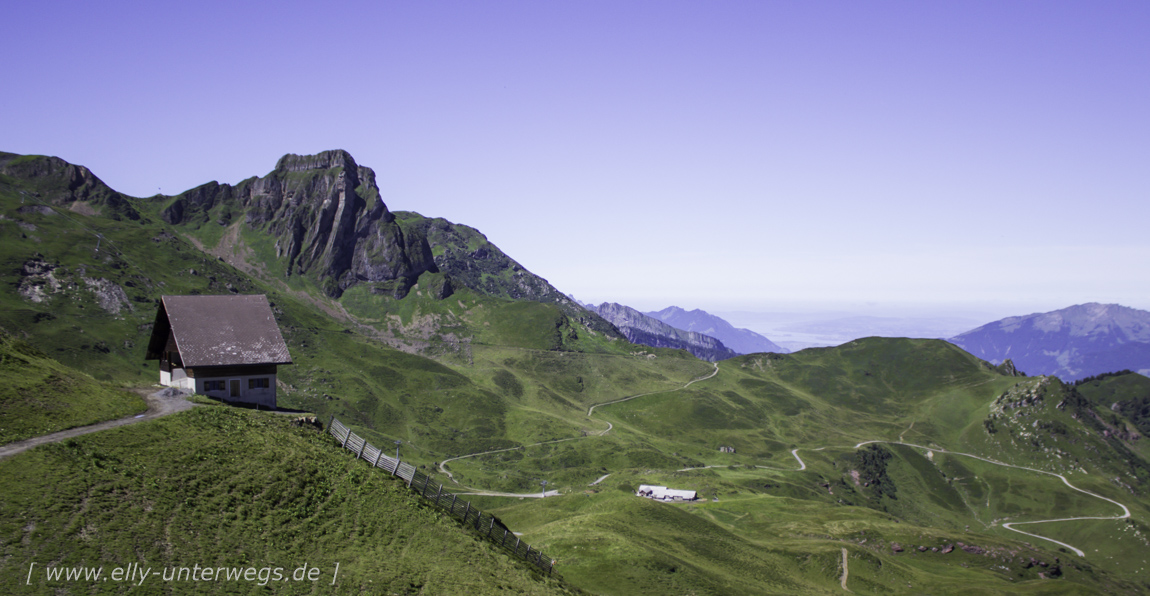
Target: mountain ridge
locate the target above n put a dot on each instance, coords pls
(330, 225)
(643, 329)
(741, 341)
(1071, 343)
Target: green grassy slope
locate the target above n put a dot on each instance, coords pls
(1121, 404)
(39, 395)
(84, 287)
(222, 487)
(824, 402)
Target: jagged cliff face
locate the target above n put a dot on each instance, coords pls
(327, 216)
(641, 329)
(330, 224)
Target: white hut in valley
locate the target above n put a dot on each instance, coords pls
(662, 493)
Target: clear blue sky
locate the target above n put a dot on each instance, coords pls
(721, 155)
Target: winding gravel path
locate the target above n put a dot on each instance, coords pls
(591, 410)
(846, 572)
(1009, 526)
(158, 405)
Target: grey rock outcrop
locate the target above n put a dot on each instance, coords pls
(326, 215)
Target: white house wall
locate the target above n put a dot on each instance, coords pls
(176, 378)
(261, 396)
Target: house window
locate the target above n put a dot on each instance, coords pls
(261, 383)
(214, 385)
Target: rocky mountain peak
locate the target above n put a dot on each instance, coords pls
(327, 215)
(324, 160)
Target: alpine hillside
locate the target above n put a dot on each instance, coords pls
(880, 466)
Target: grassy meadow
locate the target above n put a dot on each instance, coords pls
(39, 395)
(218, 487)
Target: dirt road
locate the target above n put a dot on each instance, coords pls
(158, 405)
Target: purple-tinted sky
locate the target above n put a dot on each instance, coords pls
(722, 155)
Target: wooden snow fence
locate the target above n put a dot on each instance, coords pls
(486, 524)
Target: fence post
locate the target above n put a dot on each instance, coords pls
(517, 539)
(491, 527)
(379, 455)
(504, 541)
(362, 447)
(426, 482)
(412, 479)
(395, 472)
(346, 437)
(438, 493)
(453, 498)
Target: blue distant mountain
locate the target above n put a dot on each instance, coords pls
(642, 329)
(743, 341)
(1072, 343)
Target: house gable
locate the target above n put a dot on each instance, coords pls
(223, 346)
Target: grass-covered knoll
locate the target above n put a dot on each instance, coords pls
(498, 397)
(39, 395)
(765, 404)
(1049, 425)
(220, 487)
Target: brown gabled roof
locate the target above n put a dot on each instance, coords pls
(219, 330)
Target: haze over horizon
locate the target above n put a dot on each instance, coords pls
(736, 156)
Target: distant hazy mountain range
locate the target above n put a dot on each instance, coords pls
(743, 341)
(1072, 343)
(641, 329)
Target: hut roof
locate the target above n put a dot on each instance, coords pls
(224, 330)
